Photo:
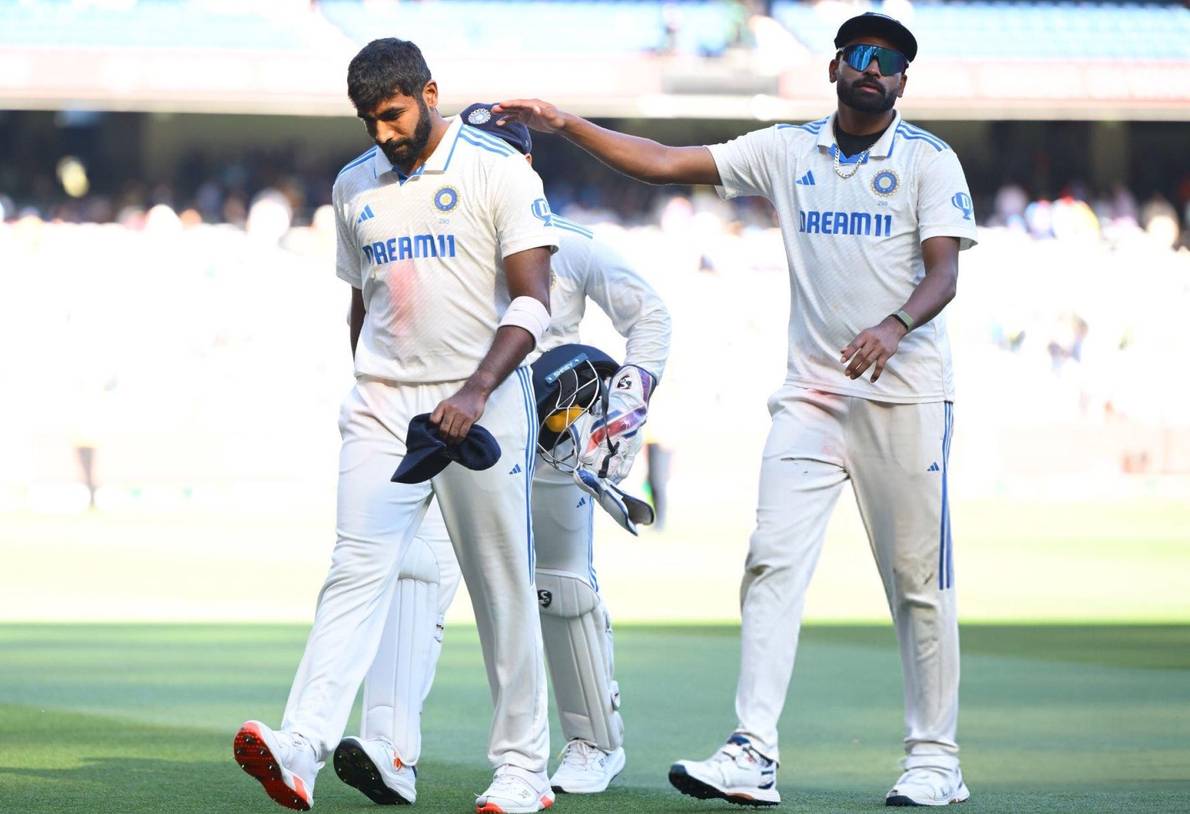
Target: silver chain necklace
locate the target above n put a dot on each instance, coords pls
(862, 159)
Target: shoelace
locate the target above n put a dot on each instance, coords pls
(296, 745)
(511, 785)
(580, 754)
(729, 752)
(937, 779)
(734, 751)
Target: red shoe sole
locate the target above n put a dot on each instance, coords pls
(492, 808)
(255, 758)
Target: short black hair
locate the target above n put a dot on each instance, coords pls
(384, 68)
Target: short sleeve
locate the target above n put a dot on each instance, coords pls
(747, 164)
(347, 254)
(519, 208)
(944, 207)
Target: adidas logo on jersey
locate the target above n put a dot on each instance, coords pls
(367, 214)
(582, 501)
(934, 467)
(516, 469)
(806, 180)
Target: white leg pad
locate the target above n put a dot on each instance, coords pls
(577, 633)
(403, 671)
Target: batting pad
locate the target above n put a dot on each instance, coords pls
(400, 678)
(577, 634)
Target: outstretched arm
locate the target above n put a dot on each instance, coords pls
(642, 158)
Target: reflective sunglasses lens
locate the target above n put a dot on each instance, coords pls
(890, 61)
(860, 57)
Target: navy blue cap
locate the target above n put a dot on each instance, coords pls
(878, 25)
(481, 117)
(426, 454)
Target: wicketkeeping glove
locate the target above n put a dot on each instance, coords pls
(625, 509)
(616, 437)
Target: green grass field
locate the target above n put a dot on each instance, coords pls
(140, 718)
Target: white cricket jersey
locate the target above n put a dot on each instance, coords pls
(585, 267)
(426, 251)
(854, 245)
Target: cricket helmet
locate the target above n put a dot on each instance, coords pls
(569, 383)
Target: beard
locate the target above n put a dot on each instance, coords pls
(402, 153)
(853, 97)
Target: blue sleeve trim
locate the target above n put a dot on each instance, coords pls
(483, 146)
(910, 132)
(355, 162)
(570, 226)
(490, 140)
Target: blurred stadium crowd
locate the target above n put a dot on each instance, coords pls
(207, 343)
(38, 182)
(171, 316)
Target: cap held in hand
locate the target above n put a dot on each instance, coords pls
(426, 454)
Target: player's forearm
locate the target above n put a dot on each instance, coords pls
(940, 283)
(642, 158)
(933, 293)
(509, 348)
(356, 318)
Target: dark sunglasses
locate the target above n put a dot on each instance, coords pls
(860, 56)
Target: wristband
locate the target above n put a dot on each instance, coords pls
(903, 318)
(527, 313)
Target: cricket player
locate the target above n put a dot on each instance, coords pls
(444, 237)
(873, 211)
(574, 621)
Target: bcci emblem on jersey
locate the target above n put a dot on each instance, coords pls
(885, 183)
(446, 199)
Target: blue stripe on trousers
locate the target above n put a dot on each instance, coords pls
(530, 457)
(945, 542)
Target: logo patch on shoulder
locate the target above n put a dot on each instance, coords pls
(885, 183)
(446, 199)
(962, 202)
(541, 210)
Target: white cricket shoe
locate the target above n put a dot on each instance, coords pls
(736, 773)
(373, 767)
(927, 781)
(586, 769)
(285, 763)
(515, 791)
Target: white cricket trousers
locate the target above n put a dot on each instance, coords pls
(895, 456)
(487, 513)
(403, 672)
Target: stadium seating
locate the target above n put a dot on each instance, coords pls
(987, 30)
(522, 26)
(162, 24)
(973, 30)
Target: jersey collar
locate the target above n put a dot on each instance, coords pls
(438, 161)
(881, 149)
